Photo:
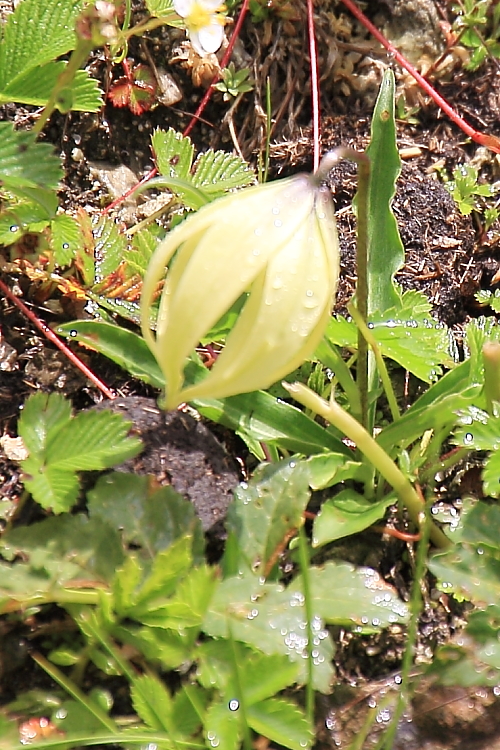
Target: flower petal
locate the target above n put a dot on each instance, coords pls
(183, 7)
(285, 316)
(208, 39)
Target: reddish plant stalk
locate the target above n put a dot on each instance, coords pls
(44, 328)
(201, 107)
(313, 55)
(490, 141)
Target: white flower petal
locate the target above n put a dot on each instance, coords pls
(208, 39)
(183, 7)
(284, 318)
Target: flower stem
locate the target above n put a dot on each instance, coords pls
(382, 462)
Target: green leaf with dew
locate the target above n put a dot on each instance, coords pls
(267, 510)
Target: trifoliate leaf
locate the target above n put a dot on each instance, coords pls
(408, 335)
(60, 445)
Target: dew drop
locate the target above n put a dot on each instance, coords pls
(258, 232)
(65, 245)
(14, 228)
(278, 223)
(234, 704)
(468, 438)
(275, 210)
(73, 333)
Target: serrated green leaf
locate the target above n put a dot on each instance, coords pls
(222, 727)
(42, 417)
(53, 488)
(77, 546)
(24, 163)
(139, 255)
(168, 568)
(345, 514)
(281, 721)
(151, 519)
(265, 511)
(408, 335)
(345, 595)
(85, 92)
(110, 246)
(264, 675)
(35, 86)
(173, 153)
(189, 707)
(217, 171)
(152, 701)
(125, 583)
(186, 609)
(91, 441)
(36, 33)
(65, 238)
(166, 647)
(272, 620)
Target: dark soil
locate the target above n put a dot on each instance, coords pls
(447, 257)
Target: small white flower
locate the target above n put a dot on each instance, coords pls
(278, 244)
(204, 21)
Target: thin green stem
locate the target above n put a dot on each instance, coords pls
(308, 606)
(377, 456)
(77, 59)
(75, 692)
(415, 609)
(384, 375)
(247, 739)
(130, 737)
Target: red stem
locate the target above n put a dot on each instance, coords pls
(490, 141)
(202, 105)
(43, 327)
(223, 64)
(314, 85)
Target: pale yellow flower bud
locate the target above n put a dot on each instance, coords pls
(278, 243)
